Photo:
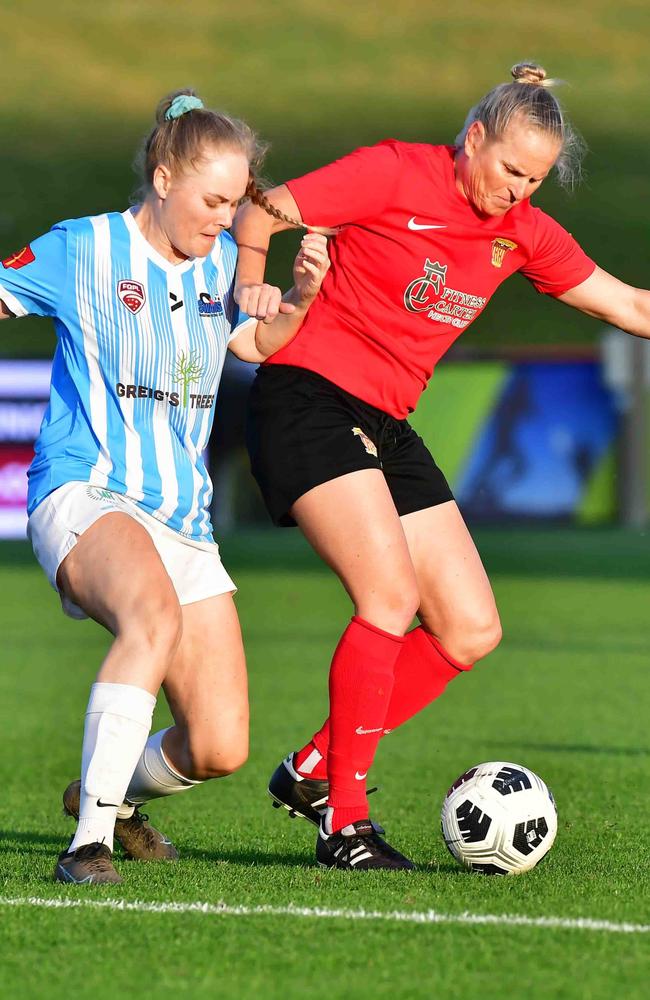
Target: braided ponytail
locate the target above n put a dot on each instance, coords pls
(257, 197)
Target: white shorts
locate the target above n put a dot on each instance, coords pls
(195, 568)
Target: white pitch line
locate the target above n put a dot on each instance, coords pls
(311, 913)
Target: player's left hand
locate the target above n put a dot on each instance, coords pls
(310, 266)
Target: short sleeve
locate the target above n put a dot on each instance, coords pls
(352, 188)
(558, 262)
(33, 279)
(238, 321)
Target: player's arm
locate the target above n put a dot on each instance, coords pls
(607, 298)
(33, 280)
(252, 229)
(257, 342)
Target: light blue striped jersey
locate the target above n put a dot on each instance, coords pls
(141, 346)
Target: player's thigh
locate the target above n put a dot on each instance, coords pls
(206, 685)
(115, 574)
(456, 599)
(352, 523)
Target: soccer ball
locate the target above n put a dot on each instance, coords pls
(499, 818)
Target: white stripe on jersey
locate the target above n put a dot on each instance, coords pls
(202, 417)
(96, 389)
(134, 472)
(181, 338)
(162, 430)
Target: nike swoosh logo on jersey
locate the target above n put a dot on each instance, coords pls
(412, 224)
(366, 732)
(360, 777)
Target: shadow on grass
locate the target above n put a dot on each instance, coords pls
(578, 748)
(18, 841)
(30, 843)
(247, 858)
(37, 843)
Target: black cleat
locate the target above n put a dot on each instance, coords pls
(90, 864)
(304, 797)
(358, 847)
(139, 839)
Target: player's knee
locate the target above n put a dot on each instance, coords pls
(154, 627)
(474, 638)
(217, 762)
(392, 607)
(164, 628)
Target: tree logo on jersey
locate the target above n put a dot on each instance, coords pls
(18, 260)
(131, 294)
(370, 447)
(188, 369)
(417, 294)
(499, 249)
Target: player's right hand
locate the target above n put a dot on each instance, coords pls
(263, 302)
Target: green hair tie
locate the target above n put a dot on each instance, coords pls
(181, 105)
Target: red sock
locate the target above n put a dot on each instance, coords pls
(311, 761)
(422, 671)
(360, 684)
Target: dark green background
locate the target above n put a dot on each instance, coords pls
(79, 84)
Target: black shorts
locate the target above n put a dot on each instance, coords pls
(303, 431)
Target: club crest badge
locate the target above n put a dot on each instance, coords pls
(210, 305)
(18, 260)
(370, 447)
(499, 249)
(131, 294)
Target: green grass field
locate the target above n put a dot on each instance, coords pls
(566, 694)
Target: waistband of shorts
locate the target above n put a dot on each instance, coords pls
(380, 415)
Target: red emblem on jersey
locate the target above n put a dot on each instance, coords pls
(131, 293)
(18, 260)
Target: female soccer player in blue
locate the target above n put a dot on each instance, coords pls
(119, 494)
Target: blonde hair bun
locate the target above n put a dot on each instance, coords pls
(528, 72)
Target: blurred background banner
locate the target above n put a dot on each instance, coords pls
(544, 435)
(532, 440)
(24, 392)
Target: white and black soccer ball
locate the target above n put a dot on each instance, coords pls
(499, 818)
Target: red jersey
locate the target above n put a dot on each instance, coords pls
(412, 266)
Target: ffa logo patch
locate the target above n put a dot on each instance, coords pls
(367, 443)
(131, 294)
(18, 260)
(499, 250)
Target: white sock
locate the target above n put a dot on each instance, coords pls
(154, 776)
(118, 720)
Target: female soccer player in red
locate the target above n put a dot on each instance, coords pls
(425, 236)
